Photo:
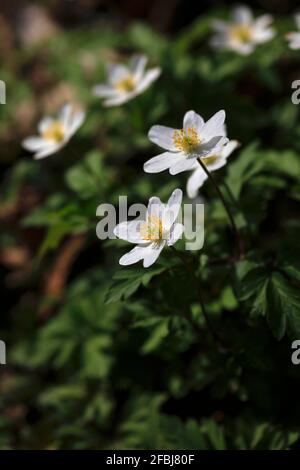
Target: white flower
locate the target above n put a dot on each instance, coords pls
(125, 83)
(244, 32)
(212, 162)
(294, 38)
(54, 133)
(152, 235)
(196, 139)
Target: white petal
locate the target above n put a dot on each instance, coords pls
(229, 148)
(153, 253)
(194, 120)
(75, 122)
(34, 144)
(48, 150)
(162, 136)
(297, 20)
(242, 48)
(175, 233)
(155, 208)
(149, 77)
(119, 99)
(220, 26)
(214, 126)
(294, 40)
(218, 162)
(195, 182)
(116, 72)
(182, 165)
(44, 124)
(137, 65)
(242, 14)
(260, 36)
(65, 114)
(130, 231)
(172, 208)
(104, 91)
(212, 147)
(263, 22)
(133, 256)
(162, 162)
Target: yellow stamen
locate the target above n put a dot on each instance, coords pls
(152, 229)
(241, 33)
(186, 140)
(55, 131)
(126, 84)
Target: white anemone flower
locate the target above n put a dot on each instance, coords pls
(152, 235)
(244, 32)
(126, 82)
(55, 133)
(294, 37)
(212, 162)
(196, 139)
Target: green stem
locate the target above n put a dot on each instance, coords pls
(226, 207)
(211, 329)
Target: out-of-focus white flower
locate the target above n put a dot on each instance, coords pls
(196, 139)
(152, 235)
(294, 37)
(212, 162)
(244, 32)
(126, 82)
(55, 133)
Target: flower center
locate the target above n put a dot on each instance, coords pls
(241, 33)
(55, 131)
(126, 84)
(152, 229)
(186, 140)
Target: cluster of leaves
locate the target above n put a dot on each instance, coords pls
(124, 359)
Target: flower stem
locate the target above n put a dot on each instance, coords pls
(239, 239)
(211, 329)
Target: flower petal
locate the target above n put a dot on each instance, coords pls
(155, 208)
(118, 99)
(195, 182)
(172, 208)
(294, 40)
(33, 144)
(175, 233)
(149, 77)
(116, 72)
(182, 165)
(194, 120)
(242, 14)
(212, 147)
(104, 91)
(163, 137)
(214, 126)
(75, 122)
(48, 150)
(220, 26)
(152, 253)
(229, 148)
(44, 124)
(130, 231)
(137, 65)
(162, 162)
(133, 256)
(65, 114)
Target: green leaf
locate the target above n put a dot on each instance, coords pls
(127, 281)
